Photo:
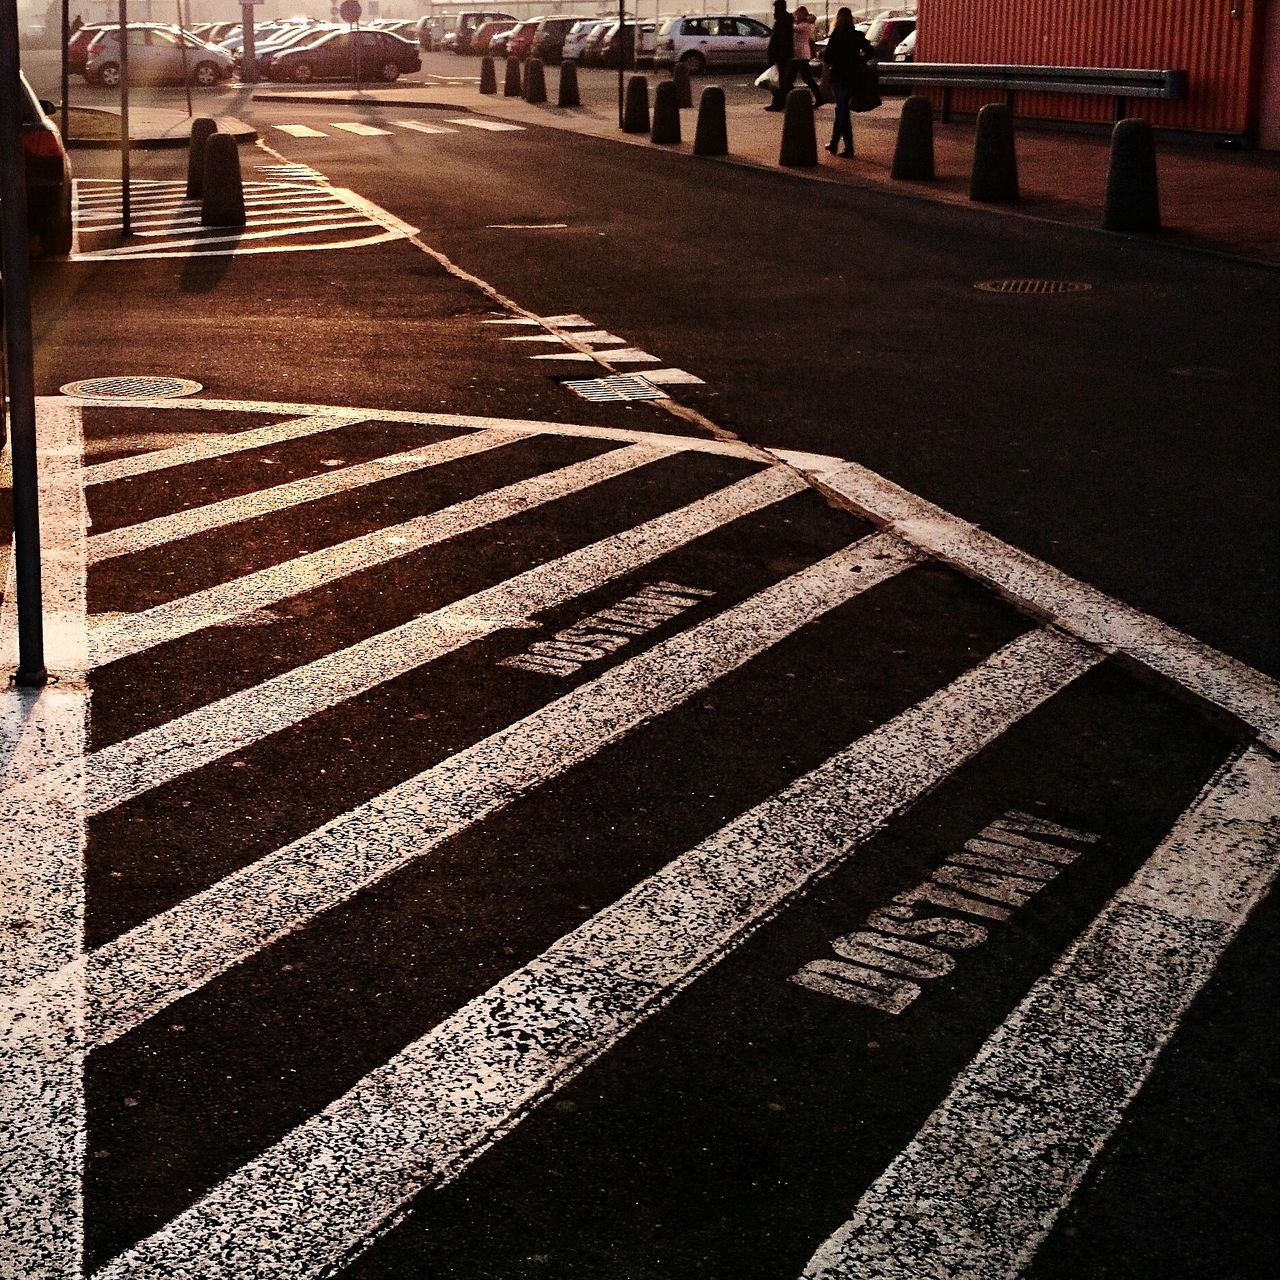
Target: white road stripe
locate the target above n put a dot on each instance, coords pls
(979, 1188)
(361, 130)
(300, 131)
(214, 444)
(308, 217)
(418, 127)
(553, 322)
(189, 945)
(1074, 606)
(215, 515)
(623, 355)
(671, 378)
(136, 632)
(491, 126)
(42, 1115)
(587, 336)
(422, 1118)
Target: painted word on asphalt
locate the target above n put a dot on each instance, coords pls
(998, 870)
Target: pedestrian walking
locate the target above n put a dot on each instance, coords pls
(782, 49)
(802, 48)
(848, 54)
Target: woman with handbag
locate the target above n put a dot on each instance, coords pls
(848, 54)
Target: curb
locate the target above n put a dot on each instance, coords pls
(236, 129)
(316, 98)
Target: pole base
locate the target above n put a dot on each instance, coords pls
(30, 679)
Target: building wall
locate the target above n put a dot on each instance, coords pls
(1218, 42)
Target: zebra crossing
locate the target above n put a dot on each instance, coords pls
(361, 129)
(336, 901)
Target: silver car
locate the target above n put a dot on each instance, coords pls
(156, 56)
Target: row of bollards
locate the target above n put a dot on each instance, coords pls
(711, 133)
(213, 175)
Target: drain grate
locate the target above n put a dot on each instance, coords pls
(136, 387)
(1026, 285)
(622, 386)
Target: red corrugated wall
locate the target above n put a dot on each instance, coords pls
(1215, 41)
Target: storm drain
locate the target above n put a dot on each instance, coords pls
(137, 387)
(622, 386)
(1025, 285)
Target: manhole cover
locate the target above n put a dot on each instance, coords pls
(623, 386)
(139, 387)
(1032, 286)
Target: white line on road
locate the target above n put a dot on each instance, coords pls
(120, 638)
(360, 130)
(322, 1191)
(42, 1115)
(979, 1188)
(623, 355)
(214, 515)
(300, 131)
(526, 226)
(554, 322)
(418, 127)
(491, 126)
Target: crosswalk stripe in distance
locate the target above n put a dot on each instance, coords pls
(363, 130)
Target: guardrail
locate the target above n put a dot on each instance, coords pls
(1119, 83)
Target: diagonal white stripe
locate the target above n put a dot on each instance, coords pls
(419, 1120)
(361, 130)
(136, 632)
(491, 126)
(300, 131)
(185, 524)
(187, 946)
(978, 1189)
(418, 127)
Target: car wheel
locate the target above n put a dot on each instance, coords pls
(302, 73)
(389, 71)
(109, 75)
(205, 74)
(694, 63)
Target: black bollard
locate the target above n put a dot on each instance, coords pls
(488, 75)
(568, 95)
(223, 192)
(913, 155)
(202, 129)
(1133, 194)
(711, 137)
(635, 114)
(799, 139)
(684, 89)
(535, 81)
(995, 159)
(511, 85)
(666, 113)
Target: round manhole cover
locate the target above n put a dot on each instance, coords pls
(1026, 285)
(138, 387)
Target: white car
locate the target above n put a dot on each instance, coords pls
(576, 40)
(156, 56)
(906, 51)
(712, 40)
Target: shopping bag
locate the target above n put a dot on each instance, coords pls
(770, 80)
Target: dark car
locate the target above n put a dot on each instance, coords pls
(486, 32)
(48, 173)
(78, 46)
(293, 38)
(886, 34)
(520, 40)
(548, 39)
(468, 21)
(333, 57)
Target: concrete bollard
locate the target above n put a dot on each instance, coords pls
(684, 88)
(223, 192)
(913, 154)
(635, 113)
(666, 113)
(1133, 194)
(568, 95)
(488, 75)
(202, 129)
(995, 159)
(511, 85)
(711, 137)
(535, 81)
(799, 139)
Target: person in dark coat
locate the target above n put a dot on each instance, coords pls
(847, 53)
(782, 43)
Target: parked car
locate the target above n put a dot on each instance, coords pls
(549, 38)
(594, 42)
(486, 31)
(332, 56)
(498, 43)
(520, 41)
(293, 38)
(48, 172)
(886, 34)
(906, 51)
(576, 37)
(710, 40)
(468, 21)
(78, 45)
(156, 56)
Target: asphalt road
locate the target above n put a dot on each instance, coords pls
(498, 806)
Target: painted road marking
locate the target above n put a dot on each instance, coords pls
(42, 1113)
(622, 355)
(300, 131)
(526, 226)
(491, 126)
(360, 130)
(419, 127)
(419, 1120)
(978, 1189)
(121, 637)
(671, 378)
(552, 322)
(215, 515)
(590, 337)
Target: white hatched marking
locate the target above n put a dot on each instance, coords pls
(118, 639)
(490, 126)
(553, 322)
(420, 1119)
(360, 130)
(587, 337)
(623, 355)
(300, 131)
(215, 515)
(671, 378)
(419, 127)
(978, 1189)
(42, 841)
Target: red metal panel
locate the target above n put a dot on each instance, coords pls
(1215, 41)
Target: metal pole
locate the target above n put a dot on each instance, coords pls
(248, 50)
(356, 38)
(182, 42)
(124, 117)
(622, 13)
(20, 361)
(66, 76)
